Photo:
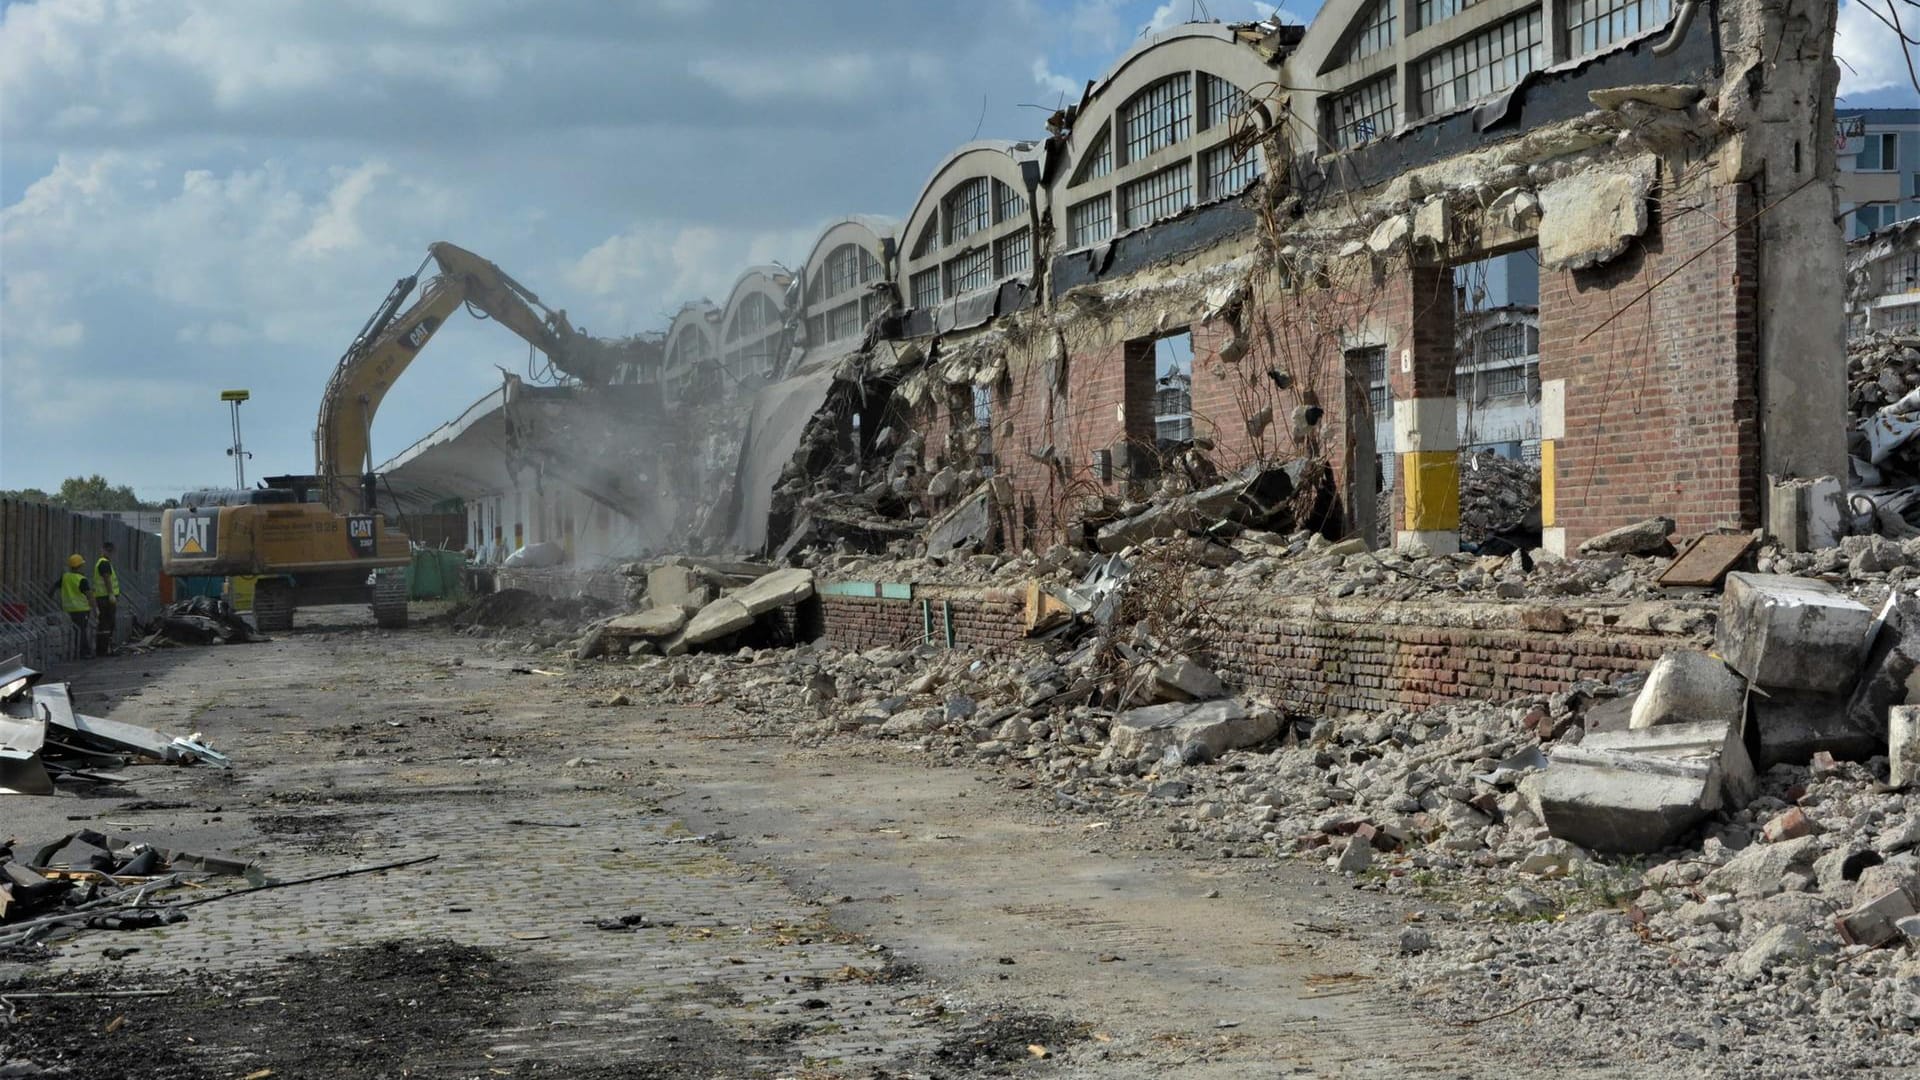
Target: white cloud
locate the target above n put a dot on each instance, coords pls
(834, 77)
(626, 274)
(1052, 83)
(1870, 50)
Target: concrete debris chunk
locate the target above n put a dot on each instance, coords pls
(1180, 679)
(1609, 800)
(1641, 538)
(1762, 870)
(1791, 633)
(1218, 726)
(1875, 922)
(1903, 745)
(1589, 218)
(1689, 686)
(1715, 741)
(1779, 947)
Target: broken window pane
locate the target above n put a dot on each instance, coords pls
(972, 270)
(755, 315)
(1090, 222)
(1159, 195)
(1222, 101)
(1224, 175)
(1362, 114)
(1013, 254)
(1157, 117)
(1593, 25)
(1480, 66)
(1376, 30)
(925, 287)
(967, 209)
(1429, 12)
(843, 322)
(1097, 161)
(1008, 204)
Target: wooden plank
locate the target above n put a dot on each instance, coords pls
(1706, 560)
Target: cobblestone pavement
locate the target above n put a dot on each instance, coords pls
(788, 912)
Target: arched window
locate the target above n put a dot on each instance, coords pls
(1167, 146)
(843, 278)
(973, 226)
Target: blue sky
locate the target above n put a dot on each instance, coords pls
(201, 194)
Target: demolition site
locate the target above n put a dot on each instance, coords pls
(1382, 547)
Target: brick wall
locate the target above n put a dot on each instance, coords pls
(1314, 657)
(1661, 404)
(979, 621)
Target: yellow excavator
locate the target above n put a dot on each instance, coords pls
(321, 539)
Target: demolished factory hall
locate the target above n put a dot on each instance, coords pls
(1243, 248)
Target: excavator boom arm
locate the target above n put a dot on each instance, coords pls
(389, 342)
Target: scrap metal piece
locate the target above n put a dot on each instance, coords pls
(1705, 561)
(15, 676)
(119, 736)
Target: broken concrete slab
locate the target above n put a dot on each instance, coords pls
(1589, 218)
(1780, 946)
(1640, 538)
(1218, 726)
(1609, 800)
(655, 622)
(1689, 686)
(1903, 745)
(967, 525)
(715, 621)
(1791, 633)
(779, 589)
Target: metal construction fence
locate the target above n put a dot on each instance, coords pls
(35, 540)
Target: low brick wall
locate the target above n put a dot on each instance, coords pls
(980, 619)
(1314, 656)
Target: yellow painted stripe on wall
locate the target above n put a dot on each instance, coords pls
(1549, 473)
(1432, 483)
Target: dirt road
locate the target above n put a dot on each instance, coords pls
(647, 890)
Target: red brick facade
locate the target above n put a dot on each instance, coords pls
(1313, 657)
(1661, 403)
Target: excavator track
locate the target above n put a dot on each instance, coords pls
(390, 598)
(273, 605)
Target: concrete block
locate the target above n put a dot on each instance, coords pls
(718, 619)
(966, 525)
(1806, 515)
(1607, 800)
(779, 589)
(1183, 680)
(1714, 742)
(1791, 633)
(1640, 538)
(1903, 745)
(677, 586)
(1218, 725)
(1788, 727)
(1689, 686)
(1875, 922)
(1589, 218)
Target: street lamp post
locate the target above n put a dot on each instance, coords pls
(236, 451)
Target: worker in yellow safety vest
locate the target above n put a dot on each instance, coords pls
(106, 600)
(76, 599)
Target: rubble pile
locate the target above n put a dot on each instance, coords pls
(42, 739)
(1729, 830)
(1499, 503)
(101, 883)
(202, 620)
(1883, 379)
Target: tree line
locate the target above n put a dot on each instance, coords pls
(88, 493)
